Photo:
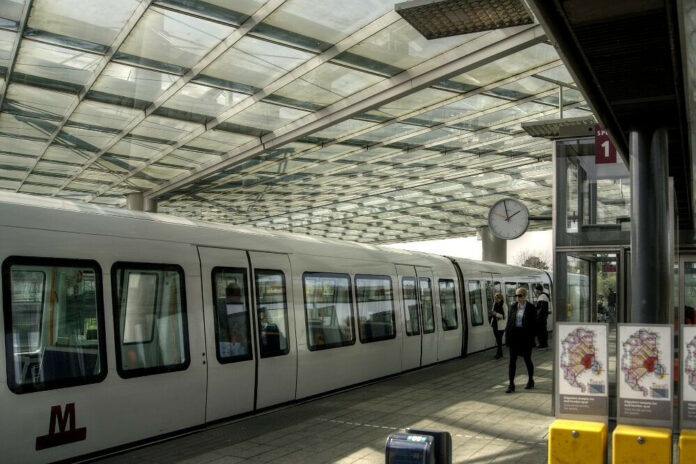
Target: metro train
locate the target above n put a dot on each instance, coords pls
(122, 326)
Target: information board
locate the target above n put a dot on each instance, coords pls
(581, 361)
(644, 375)
(688, 377)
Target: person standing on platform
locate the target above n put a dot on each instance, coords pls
(542, 305)
(519, 333)
(496, 320)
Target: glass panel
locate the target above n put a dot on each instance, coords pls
(327, 84)
(426, 299)
(201, 99)
(103, 115)
(170, 37)
(578, 290)
(475, 303)
(266, 116)
(255, 62)
(375, 308)
(56, 63)
(410, 306)
(510, 65)
(329, 20)
(11, 9)
(136, 83)
(97, 21)
(166, 129)
(38, 102)
(7, 40)
(448, 303)
(329, 310)
(598, 199)
(690, 293)
(271, 301)
(149, 306)
(411, 102)
(510, 288)
(54, 331)
(402, 46)
(140, 308)
(232, 322)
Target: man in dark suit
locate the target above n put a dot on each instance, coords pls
(519, 333)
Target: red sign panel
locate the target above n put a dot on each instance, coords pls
(605, 152)
(609, 268)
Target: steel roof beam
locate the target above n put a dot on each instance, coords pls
(15, 49)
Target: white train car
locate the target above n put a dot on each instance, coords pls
(123, 326)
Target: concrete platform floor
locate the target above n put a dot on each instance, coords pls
(465, 397)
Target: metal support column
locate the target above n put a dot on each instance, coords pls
(650, 253)
(134, 201)
(493, 248)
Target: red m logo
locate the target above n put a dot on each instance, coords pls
(66, 433)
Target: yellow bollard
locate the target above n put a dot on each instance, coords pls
(577, 442)
(634, 444)
(687, 446)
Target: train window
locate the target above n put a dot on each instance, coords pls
(510, 288)
(408, 284)
(547, 290)
(273, 312)
(448, 303)
(149, 318)
(426, 297)
(525, 285)
(54, 323)
(375, 308)
(475, 302)
(232, 326)
(328, 309)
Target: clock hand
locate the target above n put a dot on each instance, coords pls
(510, 217)
(506, 212)
(498, 214)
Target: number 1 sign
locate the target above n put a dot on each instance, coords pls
(605, 152)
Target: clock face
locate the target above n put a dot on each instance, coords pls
(508, 218)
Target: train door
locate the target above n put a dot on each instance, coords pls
(275, 329)
(411, 350)
(427, 307)
(228, 332)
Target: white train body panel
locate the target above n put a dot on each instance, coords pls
(265, 322)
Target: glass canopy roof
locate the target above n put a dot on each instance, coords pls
(290, 115)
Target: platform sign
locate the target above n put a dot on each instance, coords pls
(605, 151)
(688, 377)
(644, 363)
(581, 363)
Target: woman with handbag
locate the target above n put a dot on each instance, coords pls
(497, 322)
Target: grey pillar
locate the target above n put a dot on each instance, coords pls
(150, 205)
(134, 201)
(494, 248)
(650, 253)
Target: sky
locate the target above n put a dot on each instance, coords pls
(536, 243)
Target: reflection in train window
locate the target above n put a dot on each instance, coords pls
(408, 284)
(448, 303)
(426, 297)
(273, 312)
(149, 341)
(375, 308)
(232, 328)
(525, 285)
(328, 309)
(475, 302)
(510, 288)
(54, 328)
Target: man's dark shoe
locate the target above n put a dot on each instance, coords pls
(510, 389)
(529, 385)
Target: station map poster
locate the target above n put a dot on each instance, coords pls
(644, 363)
(581, 361)
(688, 377)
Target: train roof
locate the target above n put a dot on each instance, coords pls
(19, 210)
